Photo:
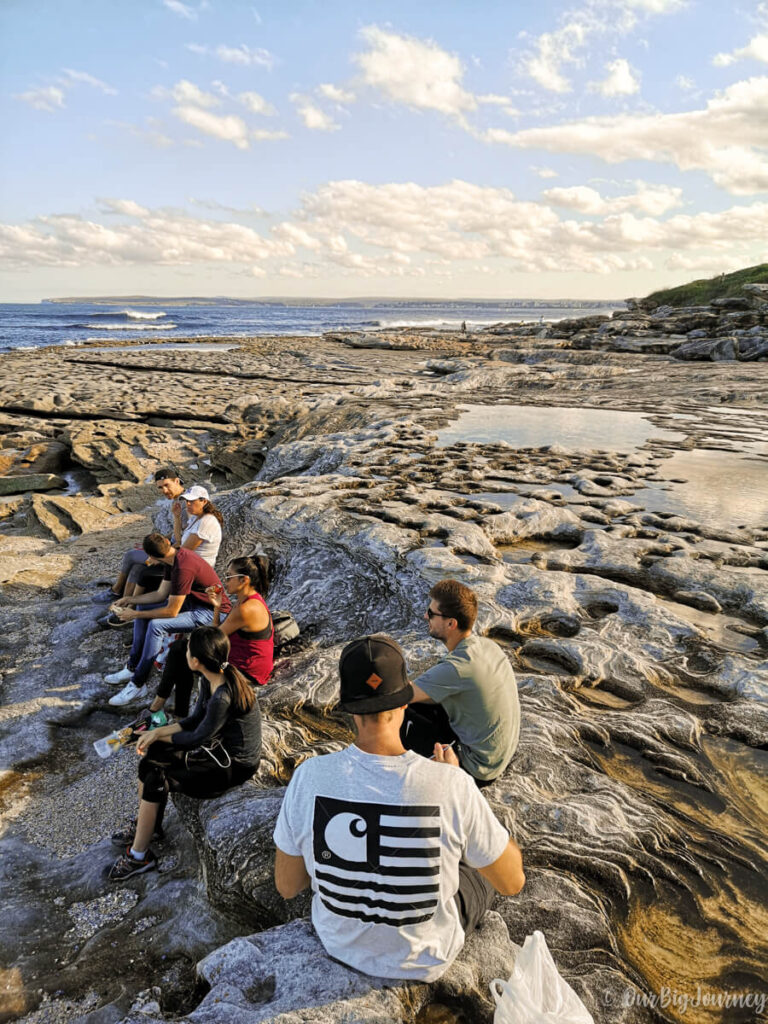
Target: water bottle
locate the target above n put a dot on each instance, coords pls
(107, 745)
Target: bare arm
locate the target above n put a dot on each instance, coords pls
(506, 874)
(419, 697)
(176, 512)
(170, 611)
(161, 594)
(291, 875)
(192, 542)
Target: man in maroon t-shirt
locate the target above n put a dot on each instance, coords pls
(186, 605)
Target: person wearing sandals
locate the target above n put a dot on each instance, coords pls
(215, 749)
(248, 626)
(202, 533)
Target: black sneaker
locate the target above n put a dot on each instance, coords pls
(124, 837)
(127, 866)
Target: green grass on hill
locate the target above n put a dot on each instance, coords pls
(699, 293)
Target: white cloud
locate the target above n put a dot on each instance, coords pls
(127, 207)
(151, 134)
(399, 229)
(86, 79)
(49, 98)
(621, 80)
(183, 10)
(244, 55)
(552, 52)
(262, 135)
(335, 93)
(727, 140)
(418, 73)
(711, 264)
(651, 199)
(685, 83)
(184, 92)
(229, 128)
(545, 172)
(156, 237)
(313, 117)
(256, 104)
(756, 49)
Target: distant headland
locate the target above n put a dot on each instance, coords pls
(372, 302)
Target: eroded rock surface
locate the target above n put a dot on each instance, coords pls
(639, 638)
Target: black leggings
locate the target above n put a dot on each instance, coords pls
(178, 676)
(162, 771)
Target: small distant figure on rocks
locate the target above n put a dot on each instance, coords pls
(248, 626)
(403, 854)
(180, 603)
(468, 699)
(463, 326)
(216, 748)
(135, 573)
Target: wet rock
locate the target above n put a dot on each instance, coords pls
(712, 349)
(31, 482)
(698, 599)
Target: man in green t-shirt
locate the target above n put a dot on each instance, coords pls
(470, 697)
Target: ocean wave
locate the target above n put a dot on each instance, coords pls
(137, 314)
(126, 327)
(132, 314)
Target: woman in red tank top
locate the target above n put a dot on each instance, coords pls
(248, 626)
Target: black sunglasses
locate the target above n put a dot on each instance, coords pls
(434, 615)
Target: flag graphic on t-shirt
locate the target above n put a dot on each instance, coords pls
(377, 862)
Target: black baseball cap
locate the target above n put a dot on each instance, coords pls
(373, 676)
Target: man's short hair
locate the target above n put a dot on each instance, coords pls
(156, 545)
(456, 601)
(167, 473)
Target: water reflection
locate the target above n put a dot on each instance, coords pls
(530, 426)
(722, 489)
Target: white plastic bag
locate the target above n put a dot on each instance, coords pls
(535, 992)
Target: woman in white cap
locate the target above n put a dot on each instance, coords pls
(203, 530)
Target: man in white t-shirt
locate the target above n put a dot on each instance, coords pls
(403, 854)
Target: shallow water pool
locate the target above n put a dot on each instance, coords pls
(722, 489)
(531, 426)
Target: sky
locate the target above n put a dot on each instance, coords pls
(502, 149)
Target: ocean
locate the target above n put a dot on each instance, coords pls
(52, 323)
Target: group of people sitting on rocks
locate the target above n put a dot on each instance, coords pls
(402, 852)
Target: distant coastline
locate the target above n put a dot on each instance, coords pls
(365, 302)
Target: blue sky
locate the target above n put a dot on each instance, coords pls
(594, 149)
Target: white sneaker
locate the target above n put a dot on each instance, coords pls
(128, 694)
(119, 677)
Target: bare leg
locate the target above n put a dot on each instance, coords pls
(145, 826)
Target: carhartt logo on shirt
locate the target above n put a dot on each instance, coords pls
(374, 681)
(377, 862)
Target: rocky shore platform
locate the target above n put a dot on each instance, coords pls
(607, 497)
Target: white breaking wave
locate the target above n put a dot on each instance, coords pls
(138, 327)
(136, 314)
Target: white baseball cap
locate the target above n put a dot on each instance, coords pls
(193, 493)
